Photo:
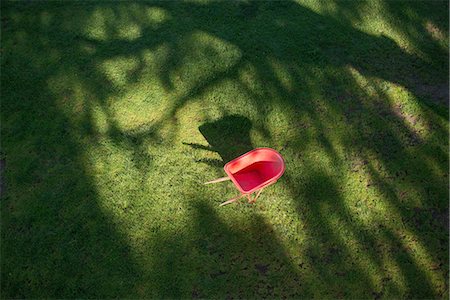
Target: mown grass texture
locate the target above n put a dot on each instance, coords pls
(114, 114)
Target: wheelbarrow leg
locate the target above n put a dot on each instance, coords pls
(218, 180)
(256, 197)
(232, 200)
(249, 198)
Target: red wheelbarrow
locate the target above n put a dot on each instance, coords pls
(252, 172)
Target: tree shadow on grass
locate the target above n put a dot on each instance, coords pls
(57, 223)
(56, 239)
(341, 258)
(213, 259)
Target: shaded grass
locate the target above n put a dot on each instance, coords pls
(113, 115)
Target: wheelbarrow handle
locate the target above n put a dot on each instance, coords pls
(218, 180)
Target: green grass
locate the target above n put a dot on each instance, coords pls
(113, 114)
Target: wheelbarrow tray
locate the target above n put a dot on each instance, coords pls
(255, 169)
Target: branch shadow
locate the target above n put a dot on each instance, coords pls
(243, 260)
(56, 240)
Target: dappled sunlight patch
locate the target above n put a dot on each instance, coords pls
(161, 61)
(124, 24)
(376, 205)
(349, 235)
(397, 186)
(88, 48)
(227, 96)
(278, 209)
(363, 200)
(156, 57)
(362, 81)
(157, 16)
(408, 110)
(435, 166)
(141, 104)
(435, 32)
(204, 59)
(424, 260)
(222, 255)
(392, 280)
(249, 78)
(120, 70)
(189, 118)
(98, 27)
(129, 31)
(100, 119)
(395, 104)
(334, 233)
(297, 130)
(279, 123)
(117, 180)
(282, 74)
(323, 8)
(374, 18)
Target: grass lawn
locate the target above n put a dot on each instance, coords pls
(114, 114)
